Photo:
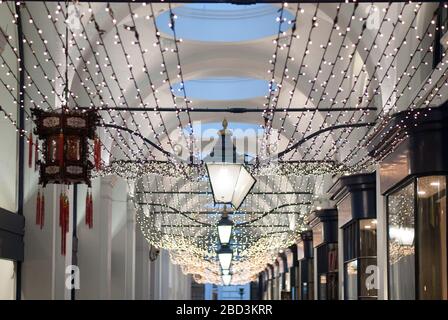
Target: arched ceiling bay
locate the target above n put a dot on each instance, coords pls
(332, 73)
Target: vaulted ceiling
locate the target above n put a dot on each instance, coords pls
(308, 82)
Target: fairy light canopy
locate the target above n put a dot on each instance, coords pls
(333, 73)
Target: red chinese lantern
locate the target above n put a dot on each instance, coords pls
(65, 139)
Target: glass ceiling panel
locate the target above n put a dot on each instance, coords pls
(224, 22)
(223, 88)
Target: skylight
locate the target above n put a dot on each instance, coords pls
(224, 22)
(223, 88)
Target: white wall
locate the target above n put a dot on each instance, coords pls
(8, 134)
(7, 280)
(8, 142)
(170, 282)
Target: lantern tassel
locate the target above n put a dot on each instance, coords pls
(61, 209)
(61, 222)
(97, 153)
(87, 209)
(90, 211)
(36, 154)
(30, 151)
(64, 223)
(67, 215)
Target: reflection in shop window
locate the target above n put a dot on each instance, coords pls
(417, 229)
(401, 244)
(432, 237)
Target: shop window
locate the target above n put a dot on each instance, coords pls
(401, 244)
(432, 237)
(367, 239)
(368, 288)
(359, 239)
(367, 261)
(327, 267)
(418, 240)
(351, 280)
(350, 241)
(306, 279)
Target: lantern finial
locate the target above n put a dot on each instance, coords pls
(223, 131)
(225, 213)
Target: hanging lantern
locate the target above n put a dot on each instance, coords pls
(229, 179)
(225, 226)
(226, 279)
(65, 145)
(225, 272)
(225, 255)
(65, 136)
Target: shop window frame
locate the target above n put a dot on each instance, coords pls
(357, 257)
(412, 179)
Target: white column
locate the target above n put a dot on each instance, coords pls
(381, 240)
(157, 278)
(152, 280)
(43, 269)
(164, 275)
(130, 251)
(94, 250)
(142, 267)
(119, 238)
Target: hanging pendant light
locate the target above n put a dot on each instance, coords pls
(225, 272)
(225, 255)
(225, 226)
(229, 179)
(226, 279)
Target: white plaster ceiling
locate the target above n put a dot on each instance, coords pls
(250, 59)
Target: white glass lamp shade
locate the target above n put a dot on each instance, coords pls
(225, 255)
(226, 279)
(225, 226)
(230, 182)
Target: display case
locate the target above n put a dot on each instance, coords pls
(355, 198)
(324, 224)
(413, 155)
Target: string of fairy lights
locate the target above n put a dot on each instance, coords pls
(384, 115)
(394, 55)
(50, 59)
(339, 57)
(355, 47)
(322, 59)
(411, 70)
